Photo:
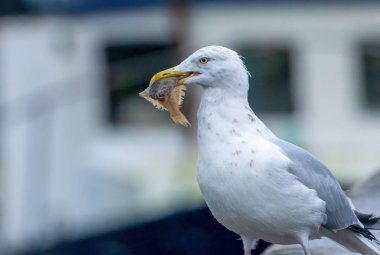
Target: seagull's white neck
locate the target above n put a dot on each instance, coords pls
(223, 111)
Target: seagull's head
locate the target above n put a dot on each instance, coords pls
(210, 67)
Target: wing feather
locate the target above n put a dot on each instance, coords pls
(313, 174)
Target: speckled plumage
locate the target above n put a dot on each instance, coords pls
(254, 183)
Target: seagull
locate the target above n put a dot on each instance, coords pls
(254, 183)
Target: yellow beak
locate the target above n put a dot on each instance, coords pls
(170, 73)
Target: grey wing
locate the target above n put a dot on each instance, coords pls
(313, 174)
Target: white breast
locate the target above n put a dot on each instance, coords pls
(243, 177)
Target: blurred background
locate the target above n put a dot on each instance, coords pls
(88, 167)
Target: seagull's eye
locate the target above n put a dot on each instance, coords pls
(203, 60)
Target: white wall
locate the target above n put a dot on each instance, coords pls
(49, 100)
(65, 172)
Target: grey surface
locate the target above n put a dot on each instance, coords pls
(366, 198)
(318, 247)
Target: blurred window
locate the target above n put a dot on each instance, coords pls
(129, 69)
(371, 75)
(270, 90)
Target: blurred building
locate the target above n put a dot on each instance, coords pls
(82, 154)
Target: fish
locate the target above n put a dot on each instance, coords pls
(166, 94)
